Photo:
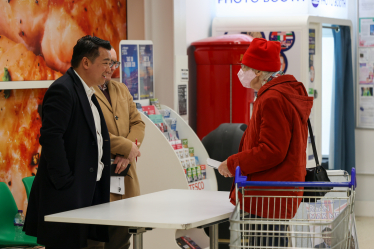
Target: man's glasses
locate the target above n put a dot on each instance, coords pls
(115, 64)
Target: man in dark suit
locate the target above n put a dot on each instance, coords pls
(74, 165)
(326, 235)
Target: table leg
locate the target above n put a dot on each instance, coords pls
(138, 241)
(213, 234)
(137, 233)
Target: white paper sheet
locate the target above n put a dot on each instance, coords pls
(213, 163)
(117, 185)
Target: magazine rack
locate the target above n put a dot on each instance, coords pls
(159, 168)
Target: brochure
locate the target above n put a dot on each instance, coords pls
(213, 163)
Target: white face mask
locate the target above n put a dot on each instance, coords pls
(246, 77)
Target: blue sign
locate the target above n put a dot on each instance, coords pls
(146, 71)
(129, 57)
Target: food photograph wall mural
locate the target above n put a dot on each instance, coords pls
(36, 43)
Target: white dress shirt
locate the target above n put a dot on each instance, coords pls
(90, 91)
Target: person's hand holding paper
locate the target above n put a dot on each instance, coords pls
(220, 166)
(224, 170)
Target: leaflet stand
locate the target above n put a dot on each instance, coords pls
(159, 168)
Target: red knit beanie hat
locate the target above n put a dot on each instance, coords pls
(263, 55)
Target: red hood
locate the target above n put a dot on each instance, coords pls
(293, 91)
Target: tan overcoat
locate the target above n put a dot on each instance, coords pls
(125, 125)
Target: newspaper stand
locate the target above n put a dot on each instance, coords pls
(328, 220)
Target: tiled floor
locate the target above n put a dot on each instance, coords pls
(365, 232)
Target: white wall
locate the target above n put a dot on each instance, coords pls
(364, 141)
(199, 19)
(172, 25)
(135, 20)
(159, 21)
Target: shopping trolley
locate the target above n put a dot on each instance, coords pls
(328, 222)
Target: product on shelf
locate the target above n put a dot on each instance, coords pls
(194, 175)
(189, 175)
(186, 153)
(197, 160)
(178, 144)
(191, 151)
(172, 123)
(165, 113)
(179, 153)
(173, 135)
(139, 107)
(185, 143)
(149, 109)
(160, 126)
(183, 162)
(156, 118)
(155, 103)
(203, 171)
(172, 143)
(198, 173)
(192, 162)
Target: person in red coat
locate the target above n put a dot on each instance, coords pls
(273, 147)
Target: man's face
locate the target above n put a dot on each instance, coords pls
(99, 69)
(327, 238)
(113, 68)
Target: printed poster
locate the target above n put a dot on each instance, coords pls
(312, 41)
(37, 37)
(182, 99)
(20, 119)
(366, 32)
(146, 71)
(32, 49)
(366, 104)
(129, 65)
(365, 98)
(312, 52)
(366, 8)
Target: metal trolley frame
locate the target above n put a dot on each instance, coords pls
(327, 221)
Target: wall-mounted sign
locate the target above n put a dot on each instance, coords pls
(325, 8)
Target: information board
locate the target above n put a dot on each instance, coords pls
(136, 70)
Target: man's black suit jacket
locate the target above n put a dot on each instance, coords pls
(322, 245)
(66, 177)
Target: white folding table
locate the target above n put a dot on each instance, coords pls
(172, 209)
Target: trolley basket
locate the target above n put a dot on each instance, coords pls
(271, 214)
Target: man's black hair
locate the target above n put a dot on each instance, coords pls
(326, 229)
(88, 46)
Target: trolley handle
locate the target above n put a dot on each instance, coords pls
(242, 182)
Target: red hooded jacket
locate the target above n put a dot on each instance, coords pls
(273, 148)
